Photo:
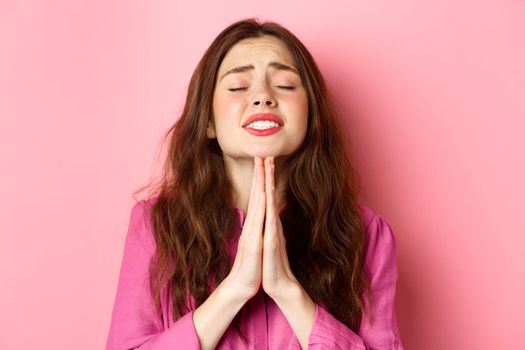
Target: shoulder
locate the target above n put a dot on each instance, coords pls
(367, 214)
(141, 209)
(379, 235)
(149, 202)
(140, 227)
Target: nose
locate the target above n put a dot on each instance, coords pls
(263, 97)
(268, 101)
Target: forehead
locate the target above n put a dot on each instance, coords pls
(257, 50)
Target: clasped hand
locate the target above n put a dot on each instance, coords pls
(261, 253)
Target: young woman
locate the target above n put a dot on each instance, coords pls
(256, 238)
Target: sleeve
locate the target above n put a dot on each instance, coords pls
(383, 334)
(134, 322)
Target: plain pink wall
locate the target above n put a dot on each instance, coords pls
(433, 92)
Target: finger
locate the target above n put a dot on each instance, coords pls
(261, 177)
(271, 249)
(270, 189)
(271, 239)
(257, 222)
(284, 253)
(253, 193)
(273, 222)
(258, 211)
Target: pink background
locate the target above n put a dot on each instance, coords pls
(433, 92)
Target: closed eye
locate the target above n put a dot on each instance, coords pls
(281, 87)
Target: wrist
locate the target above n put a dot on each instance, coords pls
(299, 310)
(295, 300)
(292, 293)
(230, 290)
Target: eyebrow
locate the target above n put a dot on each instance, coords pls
(276, 65)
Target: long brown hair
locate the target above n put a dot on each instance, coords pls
(193, 215)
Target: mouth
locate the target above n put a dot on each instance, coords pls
(263, 124)
(263, 121)
(263, 132)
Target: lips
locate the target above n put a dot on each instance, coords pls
(263, 116)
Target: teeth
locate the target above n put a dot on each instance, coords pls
(262, 125)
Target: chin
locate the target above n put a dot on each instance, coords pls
(264, 152)
(269, 153)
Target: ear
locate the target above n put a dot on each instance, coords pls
(210, 130)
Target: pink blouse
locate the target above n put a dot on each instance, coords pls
(135, 324)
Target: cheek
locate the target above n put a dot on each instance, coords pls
(304, 107)
(227, 104)
(228, 112)
(299, 109)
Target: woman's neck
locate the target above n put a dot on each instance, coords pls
(240, 172)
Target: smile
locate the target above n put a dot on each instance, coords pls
(263, 128)
(263, 125)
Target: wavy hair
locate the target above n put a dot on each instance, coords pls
(194, 216)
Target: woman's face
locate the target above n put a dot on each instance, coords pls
(259, 76)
